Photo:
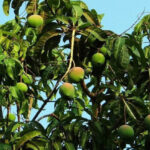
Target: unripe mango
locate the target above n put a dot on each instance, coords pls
(76, 74)
(67, 90)
(147, 122)
(126, 132)
(22, 87)
(98, 59)
(35, 20)
(11, 117)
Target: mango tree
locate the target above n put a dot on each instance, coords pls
(99, 81)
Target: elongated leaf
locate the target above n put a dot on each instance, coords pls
(26, 137)
(6, 5)
(63, 19)
(77, 11)
(53, 4)
(32, 146)
(69, 146)
(84, 138)
(5, 146)
(57, 145)
(88, 15)
(10, 65)
(124, 57)
(129, 110)
(95, 32)
(80, 3)
(31, 7)
(46, 36)
(118, 46)
(11, 128)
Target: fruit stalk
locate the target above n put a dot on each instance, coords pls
(71, 53)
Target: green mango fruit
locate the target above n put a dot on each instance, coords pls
(126, 132)
(11, 117)
(35, 20)
(98, 59)
(76, 74)
(147, 122)
(67, 90)
(22, 87)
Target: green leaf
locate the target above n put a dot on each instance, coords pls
(10, 65)
(32, 146)
(42, 40)
(88, 15)
(6, 5)
(124, 57)
(31, 6)
(5, 146)
(63, 19)
(79, 3)
(57, 145)
(53, 4)
(118, 46)
(12, 128)
(129, 110)
(96, 33)
(77, 11)
(84, 138)
(26, 137)
(69, 146)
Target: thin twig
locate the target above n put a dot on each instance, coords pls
(133, 23)
(84, 87)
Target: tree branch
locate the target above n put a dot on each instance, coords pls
(85, 89)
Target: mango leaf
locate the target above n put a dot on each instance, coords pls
(95, 32)
(11, 128)
(32, 146)
(129, 110)
(89, 17)
(5, 146)
(10, 65)
(63, 19)
(31, 35)
(118, 46)
(31, 6)
(84, 138)
(69, 146)
(124, 57)
(77, 11)
(26, 137)
(6, 5)
(80, 3)
(53, 4)
(42, 40)
(57, 145)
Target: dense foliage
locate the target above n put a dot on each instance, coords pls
(36, 58)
